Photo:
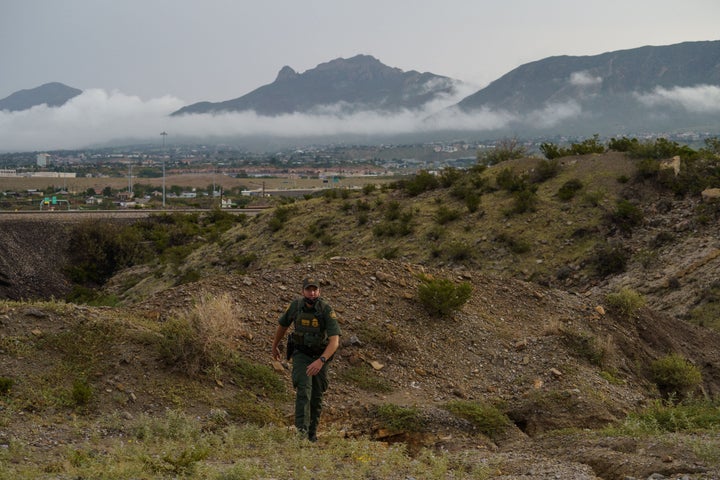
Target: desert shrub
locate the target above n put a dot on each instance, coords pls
(5, 385)
(369, 188)
(280, 216)
(609, 258)
(567, 190)
(397, 222)
(506, 179)
(458, 251)
(516, 245)
(545, 170)
(626, 216)
(423, 181)
(487, 419)
(449, 176)
(674, 375)
(445, 215)
(441, 296)
(626, 301)
(623, 144)
(524, 201)
(505, 149)
(201, 336)
(81, 393)
(400, 419)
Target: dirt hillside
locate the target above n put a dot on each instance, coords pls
(514, 343)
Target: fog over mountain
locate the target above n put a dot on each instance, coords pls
(623, 92)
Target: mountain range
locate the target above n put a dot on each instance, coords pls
(52, 94)
(646, 89)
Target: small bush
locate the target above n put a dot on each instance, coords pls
(626, 216)
(627, 301)
(524, 201)
(610, 258)
(568, 189)
(82, 393)
(441, 296)
(5, 385)
(675, 376)
(516, 245)
(487, 419)
(545, 170)
(445, 215)
(201, 336)
(400, 419)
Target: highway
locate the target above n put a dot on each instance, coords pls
(79, 215)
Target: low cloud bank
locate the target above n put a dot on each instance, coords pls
(697, 99)
(97, 117)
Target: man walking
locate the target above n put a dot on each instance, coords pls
(314, 340)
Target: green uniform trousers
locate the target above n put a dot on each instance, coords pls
(309, 393)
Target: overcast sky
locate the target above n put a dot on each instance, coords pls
(154, 56)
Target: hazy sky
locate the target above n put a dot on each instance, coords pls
(153, 56)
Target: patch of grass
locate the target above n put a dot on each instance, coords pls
(587, 346)
(399, 419)
(487, 419)
(257, 378)
(365, 378)
(692, 415)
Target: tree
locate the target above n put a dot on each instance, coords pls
(506, 149)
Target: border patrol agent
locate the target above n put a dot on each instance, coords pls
(311, 346)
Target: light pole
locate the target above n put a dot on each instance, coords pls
(164, 134)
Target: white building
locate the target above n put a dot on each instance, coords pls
(42, 159)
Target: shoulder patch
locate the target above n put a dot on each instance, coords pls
(333, 314)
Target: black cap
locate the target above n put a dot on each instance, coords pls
(310, 282)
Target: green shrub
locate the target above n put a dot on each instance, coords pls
(423, 181)
(610, 258)
(487, 419)
(675, 376)
(400, 419)
(441, 296)
(626, 216)
(524, 201)
(82, 393)
(568, 189)
(626, 301)
(445, 215)
(516, 245)
(458, 251)
(5, 385)
(545, 170)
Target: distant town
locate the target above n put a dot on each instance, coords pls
(140, 172)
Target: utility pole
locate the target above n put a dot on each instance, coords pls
(164, 134)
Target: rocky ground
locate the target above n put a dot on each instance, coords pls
(510, 344)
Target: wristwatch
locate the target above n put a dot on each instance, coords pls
(323, 359)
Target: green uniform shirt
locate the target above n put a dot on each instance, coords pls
(326, 317)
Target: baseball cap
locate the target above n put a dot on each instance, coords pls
(310, 282)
